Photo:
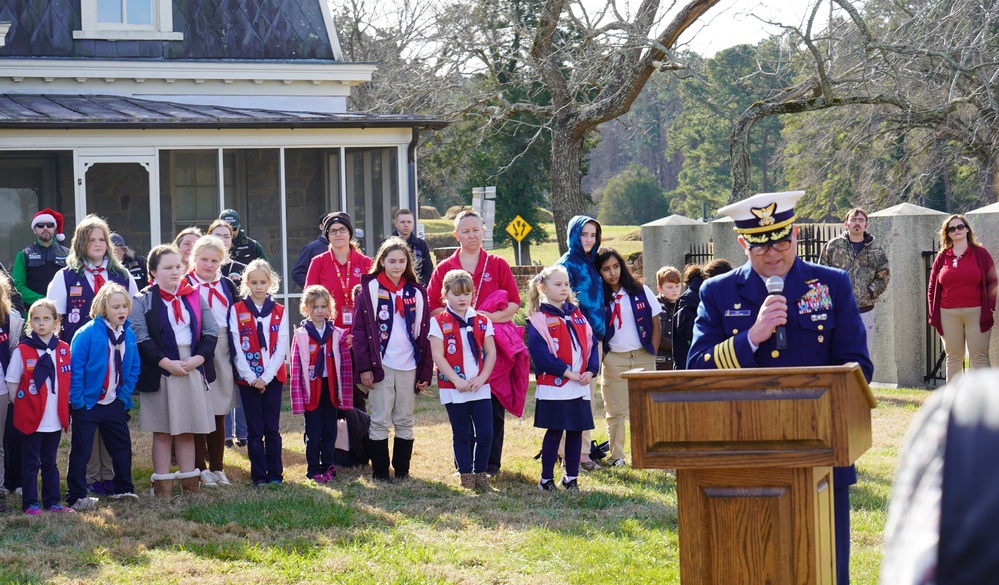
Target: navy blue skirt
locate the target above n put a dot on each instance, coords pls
(566, 415)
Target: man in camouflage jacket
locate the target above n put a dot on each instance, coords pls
(866, 263)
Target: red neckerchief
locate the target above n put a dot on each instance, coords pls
(212, 291)
(99, 280)
(183, 290)
(395, 289)
(616, 311)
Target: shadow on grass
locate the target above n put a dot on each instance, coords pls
(870, 493)
(288, 506)
(900, 402)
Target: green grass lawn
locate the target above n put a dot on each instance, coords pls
(621, 527)
(548, 253)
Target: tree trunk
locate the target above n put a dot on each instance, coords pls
(566, 177)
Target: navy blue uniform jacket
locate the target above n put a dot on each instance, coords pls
(823, 325)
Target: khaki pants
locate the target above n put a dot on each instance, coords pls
(615, 391)
(99, 467)
(962, 327)
(868, 320)
(391, 403)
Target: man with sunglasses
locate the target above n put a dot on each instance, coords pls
(865, 262)
(812, 321)
(36, 266)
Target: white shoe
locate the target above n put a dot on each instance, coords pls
(128, 495)
(208, 479)
(85, 503)
(17, 491)
(220, 478)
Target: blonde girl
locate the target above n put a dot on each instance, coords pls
(321, 380)
(259, 333)
(106, 368)
(464, 351)
(208, 255)
(565, 355)
(11, 325)
(38, 378)
(390, 326)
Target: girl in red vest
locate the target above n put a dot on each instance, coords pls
(465, 352)
(259, 334)
(322, 380)
(390, 327)
(38, 378)
(565, 355)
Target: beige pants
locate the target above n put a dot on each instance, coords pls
(99, 467)
(868, 321)
(615, 391)
(391, 403)
(962, 327)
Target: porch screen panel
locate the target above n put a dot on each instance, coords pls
(372, 192)
(190, 198)
(119, 192)
(261, 217)
(20, 198)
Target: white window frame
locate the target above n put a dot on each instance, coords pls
(160, 30)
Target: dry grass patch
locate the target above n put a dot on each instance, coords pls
(620, 528)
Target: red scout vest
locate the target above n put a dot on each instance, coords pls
(315, 384)
(249, 344)
(454, 351)
(31, 400)
(559, 333)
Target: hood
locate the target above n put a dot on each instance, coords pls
(575, 233)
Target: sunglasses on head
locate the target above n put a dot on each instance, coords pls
(956, 228)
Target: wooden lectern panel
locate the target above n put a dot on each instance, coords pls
(741, 418)
(756, 526)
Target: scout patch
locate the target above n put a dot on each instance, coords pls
(76, 291)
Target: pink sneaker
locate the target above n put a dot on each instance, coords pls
(33, 510)
(320, 478)
(61, 509)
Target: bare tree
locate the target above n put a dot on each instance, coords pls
(927, 69)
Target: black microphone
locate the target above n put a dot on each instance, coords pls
(775, 286)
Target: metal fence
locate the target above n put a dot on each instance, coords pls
(935, 354)
(699, 254)
(812, 237)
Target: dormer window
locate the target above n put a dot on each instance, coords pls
(127, 20)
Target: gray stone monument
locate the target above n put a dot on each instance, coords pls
(666, 241)
(727, 242)
(985, 223)
(905, 231)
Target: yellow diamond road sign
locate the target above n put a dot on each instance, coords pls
(518, 228)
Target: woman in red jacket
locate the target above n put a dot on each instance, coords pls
(962, 296)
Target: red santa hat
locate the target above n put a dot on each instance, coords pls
(49, 216)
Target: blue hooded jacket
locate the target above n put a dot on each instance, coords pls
(583, 276)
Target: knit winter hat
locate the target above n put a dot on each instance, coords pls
(340, 217)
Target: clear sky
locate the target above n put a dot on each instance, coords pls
(736, 22)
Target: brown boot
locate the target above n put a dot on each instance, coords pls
(163, 484)
(468, 481)
(482, 483)
(190, 482)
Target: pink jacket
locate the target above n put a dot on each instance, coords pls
(510, 377)
(300, 367)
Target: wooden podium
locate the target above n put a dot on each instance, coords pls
(754, 451)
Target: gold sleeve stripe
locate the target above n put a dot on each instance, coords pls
(721, 360)
(730, 346)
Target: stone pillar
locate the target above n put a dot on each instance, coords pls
(727, 242)
(899, 349)
(666, 241)
(985, 223)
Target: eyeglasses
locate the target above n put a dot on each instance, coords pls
(956, 228)
(44, 225)
(783, 246)
(339, 231)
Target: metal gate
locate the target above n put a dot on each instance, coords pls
(935, 354)
(699, 254)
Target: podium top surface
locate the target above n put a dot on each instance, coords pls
(852, 368)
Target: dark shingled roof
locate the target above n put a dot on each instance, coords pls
(213, 29)
(104, 111)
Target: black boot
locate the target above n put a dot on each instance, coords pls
(402, 452)
(378, 450)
